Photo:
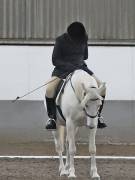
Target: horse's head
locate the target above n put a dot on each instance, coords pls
(91, 94)
(91, 102)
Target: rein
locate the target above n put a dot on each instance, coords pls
(84, 109)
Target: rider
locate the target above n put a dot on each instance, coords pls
(69, 53)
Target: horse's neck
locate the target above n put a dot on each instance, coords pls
(78, 89)
(80, 79)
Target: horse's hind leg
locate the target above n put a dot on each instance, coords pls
(59, 145)
(92, 150)
(67, 165)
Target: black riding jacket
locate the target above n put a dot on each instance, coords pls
(68, 55)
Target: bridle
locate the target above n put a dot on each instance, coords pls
(88, 115)
(84, 109)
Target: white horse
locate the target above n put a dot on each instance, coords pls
(79, 103)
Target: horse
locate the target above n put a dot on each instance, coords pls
(79, 103)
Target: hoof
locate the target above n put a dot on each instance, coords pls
(64, 172)
(72, 176)
(96, 178)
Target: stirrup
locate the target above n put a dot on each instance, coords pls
(51, 124)
(101, 123)
(51, 119)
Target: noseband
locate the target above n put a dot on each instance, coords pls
(92, 117)
(84, 109)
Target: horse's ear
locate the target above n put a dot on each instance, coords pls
(102, 89)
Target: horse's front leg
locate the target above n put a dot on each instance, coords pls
(72, 147)
(59, 145)
(67, 165)
(92, 150)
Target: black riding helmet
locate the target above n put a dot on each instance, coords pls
(77, 32)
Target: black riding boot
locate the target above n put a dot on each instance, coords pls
(51, 110)
(101, 123)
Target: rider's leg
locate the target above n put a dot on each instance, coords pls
(50, 102)
(101, 123)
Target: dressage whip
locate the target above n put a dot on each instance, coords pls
(20, 97)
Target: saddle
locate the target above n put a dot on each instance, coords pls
(59, 92)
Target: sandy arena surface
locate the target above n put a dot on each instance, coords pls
(47, 169)
(48, 148)
(41, 169)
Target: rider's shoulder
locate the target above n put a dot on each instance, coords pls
(60, 38)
